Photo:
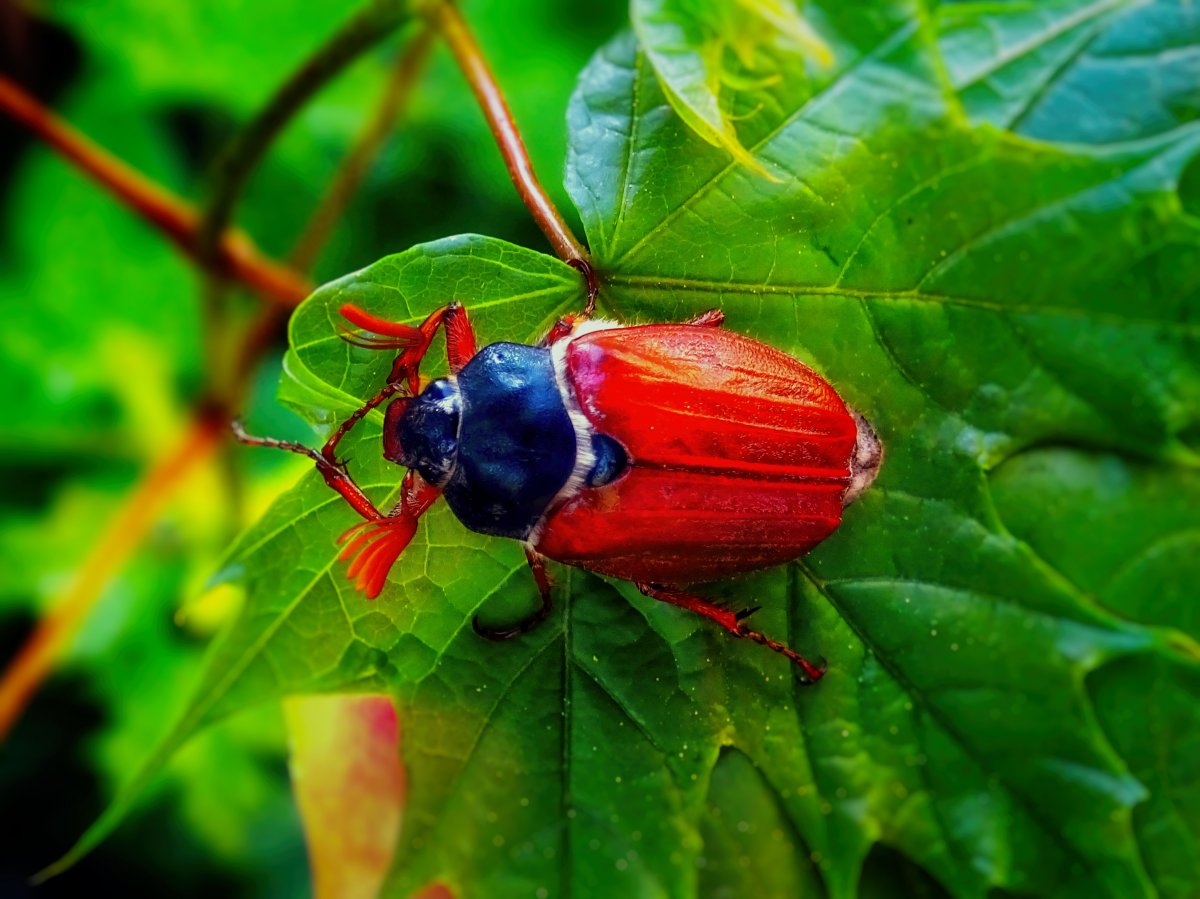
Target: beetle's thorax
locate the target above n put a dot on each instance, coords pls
(498, 438)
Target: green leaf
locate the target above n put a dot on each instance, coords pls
(1145, 573)
(1075, 71)
(686, 43)
(1001, 612)
(288, 559)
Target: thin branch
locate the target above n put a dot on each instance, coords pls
(366, 147)
(342, 188)
(359, 33)
(122, 536)
(169, 214)
(362, 30)
(454, 29)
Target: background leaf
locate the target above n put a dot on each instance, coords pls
(345, 765)
(687, 44)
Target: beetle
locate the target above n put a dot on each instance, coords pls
(661, 454)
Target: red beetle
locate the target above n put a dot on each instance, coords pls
(664, 454)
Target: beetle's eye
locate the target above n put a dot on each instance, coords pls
(393, 450)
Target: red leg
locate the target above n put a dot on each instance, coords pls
(460, 337)
(376, 543)
(328, 450)
(566, 325)
(537, 564)
(374, 546)
(333, 472)
(732, 622)
(413, 342)
(563, 328)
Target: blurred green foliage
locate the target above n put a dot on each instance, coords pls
(103, 358)
(979, 221)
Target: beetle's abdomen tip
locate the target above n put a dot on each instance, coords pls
(864, 464)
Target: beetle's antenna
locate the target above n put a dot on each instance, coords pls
(401, 334)
(331, 470)
(239, 432)
(369, 342)
(374, 546)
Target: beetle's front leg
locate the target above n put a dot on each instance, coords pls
(381, 334)
(732, 622)
(375, 545)
(377, 542)
(537, 564)
(329, 450)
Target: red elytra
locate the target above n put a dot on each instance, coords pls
(739, 456)
(734, 456)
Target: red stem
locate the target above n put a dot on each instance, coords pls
(165, 211)
(137, 514)
(467, 53)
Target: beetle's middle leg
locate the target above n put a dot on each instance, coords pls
(537, 564)
(732, 622)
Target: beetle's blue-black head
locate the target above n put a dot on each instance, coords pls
(422, 432)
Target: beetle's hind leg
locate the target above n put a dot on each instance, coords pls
(732, 622)
(537, 564)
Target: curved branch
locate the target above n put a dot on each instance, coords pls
(124, 534)
(367, 145)
(121, 537)
(359, 33)
(167, 213)
(470, 59)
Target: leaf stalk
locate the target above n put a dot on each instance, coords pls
(474, 66)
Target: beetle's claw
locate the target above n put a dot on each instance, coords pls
(499, 634)
(496, 633)
(813, 671)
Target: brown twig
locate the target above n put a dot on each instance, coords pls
(123, 534)
(366, 147)
(166, 212)
(365, 28)
(454, 29)
(345, 183)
